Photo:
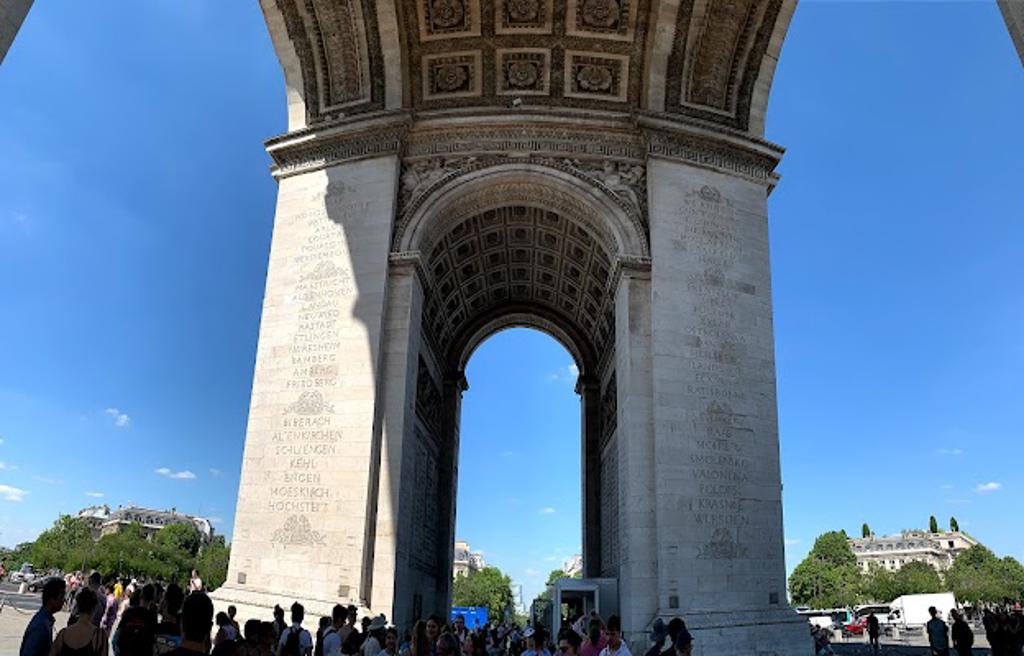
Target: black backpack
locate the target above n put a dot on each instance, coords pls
(292, 645)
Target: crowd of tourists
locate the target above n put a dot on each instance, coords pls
(153, 620)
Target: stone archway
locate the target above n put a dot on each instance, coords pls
(593, 169)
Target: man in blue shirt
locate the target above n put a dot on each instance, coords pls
(38, 636)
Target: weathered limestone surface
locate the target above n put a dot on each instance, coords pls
(1013, 14)
(717, 478)
(12, 15)
(303, 498)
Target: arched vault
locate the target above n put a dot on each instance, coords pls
(709, 60)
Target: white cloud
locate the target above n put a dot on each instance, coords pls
(6, 466)
(507, 454)
(547, 511)
(792, 541)
(120, 419)
(550, 559)
(216, 520)
(985, 488)
(567, 374)
(951, 452)
(48, 481)
(1, 440)
(9, 493)
(95, 495)
(947, 486)
(531, 572)
(215, 472)
(179, 475)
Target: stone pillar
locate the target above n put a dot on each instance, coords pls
(301, 527)
(634, 440)
(12, 15)
(718, 490)
(589, 389)
(398, 391)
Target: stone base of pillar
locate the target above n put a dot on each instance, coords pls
(259, 605)
(764, 632)
(761, 632)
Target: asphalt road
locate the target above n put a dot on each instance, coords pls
(9, 597)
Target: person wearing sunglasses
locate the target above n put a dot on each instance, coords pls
(569, 643)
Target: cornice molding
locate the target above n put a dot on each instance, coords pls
(632, 138)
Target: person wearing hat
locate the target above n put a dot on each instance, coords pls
(535, 639)
(374, 633)
(295, 640)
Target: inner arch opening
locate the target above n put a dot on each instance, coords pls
(516, 266)
(519, 498)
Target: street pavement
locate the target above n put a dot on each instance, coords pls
(9, 597)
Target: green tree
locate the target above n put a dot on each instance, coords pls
(916, 578)
(182, 538)
(212, 563)
(954, 525)
(555, 575)
(878, 585)
(933, 524)
(865, 531)
(487, 587)
(977, 575)
(66, 545)
(828, 577)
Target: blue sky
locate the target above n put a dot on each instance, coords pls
(135, 218)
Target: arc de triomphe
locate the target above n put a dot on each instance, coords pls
(591, 168)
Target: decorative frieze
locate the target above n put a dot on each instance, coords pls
(615, 162)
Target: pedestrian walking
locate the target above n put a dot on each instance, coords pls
(615, 647)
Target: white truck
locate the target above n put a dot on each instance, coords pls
(912, 610)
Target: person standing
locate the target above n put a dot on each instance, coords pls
(963, 637)
(196, 624)
(332, 635)
(615, 647)
(873, 631)
(113, 605)
(374, 632)
(195, 584)
(38, 638)
(569, 642)
(82, 638)
(390, 643)
(535, 640)
(296, 641)
(938, 634)
(596, 639)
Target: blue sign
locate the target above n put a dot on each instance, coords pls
(475, 616)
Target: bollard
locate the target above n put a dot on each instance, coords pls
(22, 587)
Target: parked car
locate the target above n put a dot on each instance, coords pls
(858, 626)
(37, 584)
(26, 574)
